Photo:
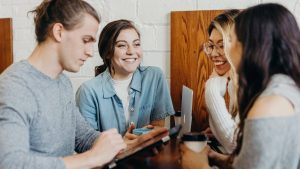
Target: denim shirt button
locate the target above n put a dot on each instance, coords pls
(132, 109)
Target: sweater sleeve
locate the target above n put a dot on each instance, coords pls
(85, 135)
(15, 118)
(222, 124)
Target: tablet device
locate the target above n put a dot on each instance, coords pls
(153, 142)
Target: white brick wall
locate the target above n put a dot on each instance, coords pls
(151, 16)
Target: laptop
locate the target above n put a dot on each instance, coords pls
(186, 109)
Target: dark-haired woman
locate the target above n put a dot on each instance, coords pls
(125, 92)
(265, 50)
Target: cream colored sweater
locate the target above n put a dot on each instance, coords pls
(220, 120)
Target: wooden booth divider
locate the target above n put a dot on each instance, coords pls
(189, 64)
(6, 43)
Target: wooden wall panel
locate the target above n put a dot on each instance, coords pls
(189, 64)
(6, 43)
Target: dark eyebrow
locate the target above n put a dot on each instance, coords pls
(121, 41)
(221, 40)
(126, 41)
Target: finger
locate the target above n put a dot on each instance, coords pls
(149, 126)
(210, 135)
(206, 150)
(130, 136)
(183, 148)
(144, 137)
(131, 127)
(206, 131)
(213, 154)
(152, 133)
(156, 132)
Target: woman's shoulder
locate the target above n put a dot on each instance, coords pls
(93, 84)
(271, 106)
(150, 71)
(280, 98)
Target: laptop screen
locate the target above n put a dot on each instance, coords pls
(186, 109)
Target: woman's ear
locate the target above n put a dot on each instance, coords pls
(57, 31)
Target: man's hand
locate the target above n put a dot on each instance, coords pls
(107, 146)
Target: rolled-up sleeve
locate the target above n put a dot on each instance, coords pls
(163, 106)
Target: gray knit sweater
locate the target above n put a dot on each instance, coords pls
(39, 122)
(273, 143)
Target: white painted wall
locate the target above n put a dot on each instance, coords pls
(151, 16)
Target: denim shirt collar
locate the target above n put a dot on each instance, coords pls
(108, 89)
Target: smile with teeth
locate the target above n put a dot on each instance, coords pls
(129, 60)
(218, 63)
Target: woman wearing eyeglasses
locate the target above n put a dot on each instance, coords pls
(220, 88)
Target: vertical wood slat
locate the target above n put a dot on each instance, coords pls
(6, 43)
(189, 64)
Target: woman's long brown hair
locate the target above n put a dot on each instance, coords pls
(270, 40)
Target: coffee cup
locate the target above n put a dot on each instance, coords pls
(177, 118)
(195, 141)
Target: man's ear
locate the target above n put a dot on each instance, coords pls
(57, 30)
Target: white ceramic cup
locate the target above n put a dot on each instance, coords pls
(195, 141)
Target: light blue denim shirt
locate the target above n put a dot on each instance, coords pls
(150, 100)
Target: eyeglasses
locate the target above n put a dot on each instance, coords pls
(208, 48)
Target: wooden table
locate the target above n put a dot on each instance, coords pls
(166, 158)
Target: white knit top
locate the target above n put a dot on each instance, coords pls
(122, 90)
(220, 120)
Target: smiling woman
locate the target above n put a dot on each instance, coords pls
(124, 91)
(221, 86)
(127, 55)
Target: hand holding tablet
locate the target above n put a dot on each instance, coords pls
(153, 138)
